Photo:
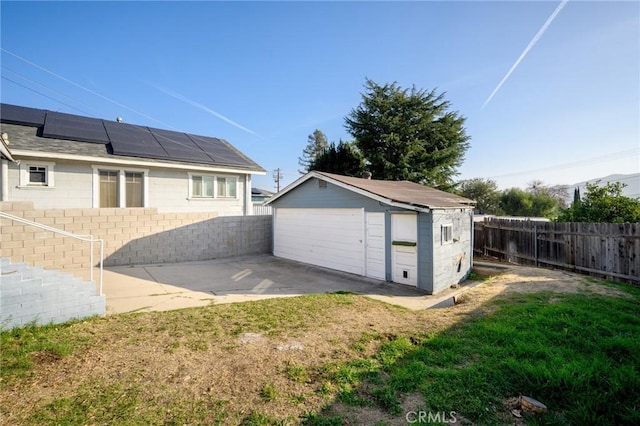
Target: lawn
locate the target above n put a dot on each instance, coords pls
(570, 342)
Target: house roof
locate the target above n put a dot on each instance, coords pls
(401, 193)
(43, 131)
(263, 192)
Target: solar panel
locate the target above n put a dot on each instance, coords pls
(219, 151)
(136, 141)
(14, 114)
(180, 147)
(74, 127)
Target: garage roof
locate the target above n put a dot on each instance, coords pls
(403, 193)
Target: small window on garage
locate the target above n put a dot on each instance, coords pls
(447, 233)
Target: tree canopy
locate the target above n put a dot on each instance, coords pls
(316, 144)
(343, 159)
(408, 134)
(602, 204)
(484, 192)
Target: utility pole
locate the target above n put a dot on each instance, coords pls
(277, 176)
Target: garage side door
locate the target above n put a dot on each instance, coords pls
(331, 238)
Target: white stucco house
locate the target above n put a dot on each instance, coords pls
(58, 160)
(401, 232)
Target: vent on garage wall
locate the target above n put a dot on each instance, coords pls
(322, 184)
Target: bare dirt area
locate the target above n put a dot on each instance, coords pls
(222, 364)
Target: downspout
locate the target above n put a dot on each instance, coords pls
(4, 194)
(248, 205)
(5, 155)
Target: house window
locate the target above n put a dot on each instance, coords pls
(109, 188)
(133, 189)
(36, 174)
(202, 186)
(226, 187)
(120, 188)
(447, 233)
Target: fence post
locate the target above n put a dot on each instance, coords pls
(535, 243)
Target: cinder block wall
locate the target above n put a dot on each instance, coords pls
(131, 236)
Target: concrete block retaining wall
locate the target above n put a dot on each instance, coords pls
(131, 236)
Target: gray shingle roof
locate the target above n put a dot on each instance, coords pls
(404, 192)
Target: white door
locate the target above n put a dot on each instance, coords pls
(375, 257)
(404, 249)
(332, 238)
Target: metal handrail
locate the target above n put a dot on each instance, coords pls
(85, 238)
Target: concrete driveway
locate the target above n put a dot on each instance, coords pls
(163, 287)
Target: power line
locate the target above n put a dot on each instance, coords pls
(593, 160)
(113, 101)
(24, 77)
(42, 94)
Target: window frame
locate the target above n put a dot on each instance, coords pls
(216, 180)
(122, 185)
(234, 179)
(444, 238)
(24, 180)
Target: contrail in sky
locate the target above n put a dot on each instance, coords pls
(532, 43)
(204, 108)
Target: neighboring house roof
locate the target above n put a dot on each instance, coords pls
(262, 192)
(401, 193)
(42, 131)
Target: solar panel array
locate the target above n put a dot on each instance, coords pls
(127, 139)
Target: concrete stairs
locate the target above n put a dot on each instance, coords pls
(32, 294)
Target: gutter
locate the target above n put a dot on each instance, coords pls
(4, 149)
(5, 154)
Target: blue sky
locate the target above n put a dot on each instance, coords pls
(265, 75)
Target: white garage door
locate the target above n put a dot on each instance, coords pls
(332, 238)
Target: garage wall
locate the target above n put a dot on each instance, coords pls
(452, 260)
(425, 252)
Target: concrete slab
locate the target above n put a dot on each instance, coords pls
(162, 287)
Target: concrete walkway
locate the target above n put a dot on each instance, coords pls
(163, 287)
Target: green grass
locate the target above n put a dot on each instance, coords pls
(580, 355)
(52, 342)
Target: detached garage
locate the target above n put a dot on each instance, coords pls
(394, 231)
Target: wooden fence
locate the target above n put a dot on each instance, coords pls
(606, 250)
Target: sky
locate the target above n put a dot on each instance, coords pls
(550, 89)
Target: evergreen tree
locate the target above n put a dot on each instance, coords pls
(408, 134)
(343, 159)
(316, 144)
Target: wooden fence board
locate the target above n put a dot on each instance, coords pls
(605, 249)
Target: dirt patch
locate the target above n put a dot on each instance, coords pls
(523, 279)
